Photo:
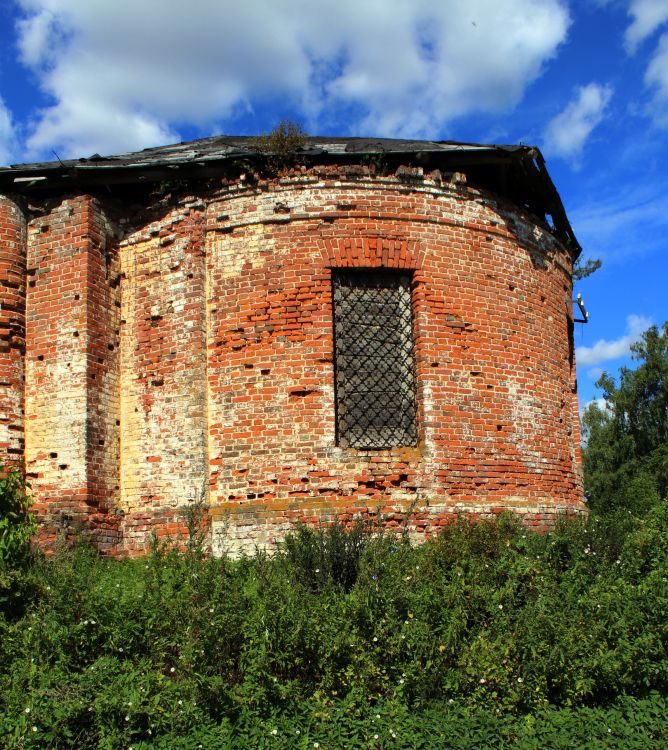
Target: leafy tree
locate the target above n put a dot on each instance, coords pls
(626, 453)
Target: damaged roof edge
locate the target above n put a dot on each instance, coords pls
(530, 185)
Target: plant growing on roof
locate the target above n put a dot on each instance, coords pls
(281, 144)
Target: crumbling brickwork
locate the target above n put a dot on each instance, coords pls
(12, 327)
(182, 349)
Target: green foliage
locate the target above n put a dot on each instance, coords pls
(582, 269)
(488, 636)
(17, 526)
(16, 523)
(626, 452)
(326, 555)
(281, 144)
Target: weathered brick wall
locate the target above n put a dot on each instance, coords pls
(72, 367)
(12, 329)
(495, 374)
(163, 378)
(184, 349)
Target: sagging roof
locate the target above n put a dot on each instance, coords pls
(516, 172)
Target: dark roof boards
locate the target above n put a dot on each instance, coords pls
(516, 172)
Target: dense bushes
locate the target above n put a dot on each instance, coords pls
(16, 529)
(488, 636)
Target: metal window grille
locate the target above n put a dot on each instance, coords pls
(374, 362)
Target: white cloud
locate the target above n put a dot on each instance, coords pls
(648, 16)
(7, 135)
(656, 78)
(604, 350)
(126, 74)
(567, 133)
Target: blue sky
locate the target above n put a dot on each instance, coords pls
(586, 81)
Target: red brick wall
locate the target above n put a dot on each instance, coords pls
(12, 329)
(184, 350)
(163, 374)
(72, 370)
(495, 381)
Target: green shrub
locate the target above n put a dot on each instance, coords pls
(488, 636)
(16, 523)
(17, 526)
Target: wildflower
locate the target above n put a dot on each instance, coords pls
(211, 610)
(120, 649)
(393, 735)
(500, 606)
(129, 703)
(375, 736)
(482, 680)
(34, 728)
(317, 570)
(316, 744)
(519, 679)
(401, 681)
(180, 702)
(172, 669)
(27, 710)
(375, 639)
(274, 732)
(408, 578)
(297, 731)
(378, 716)
(127, 718)
(85, 622)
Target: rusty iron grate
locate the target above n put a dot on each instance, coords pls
(374, 361)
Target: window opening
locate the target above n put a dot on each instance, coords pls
(374, 361)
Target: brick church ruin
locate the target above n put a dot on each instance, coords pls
(373, 326)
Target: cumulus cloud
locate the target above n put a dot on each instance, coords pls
(604, 350)
(7, 135)
(567, 133)
(656, 78)
(647, 16)
(126, 74)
